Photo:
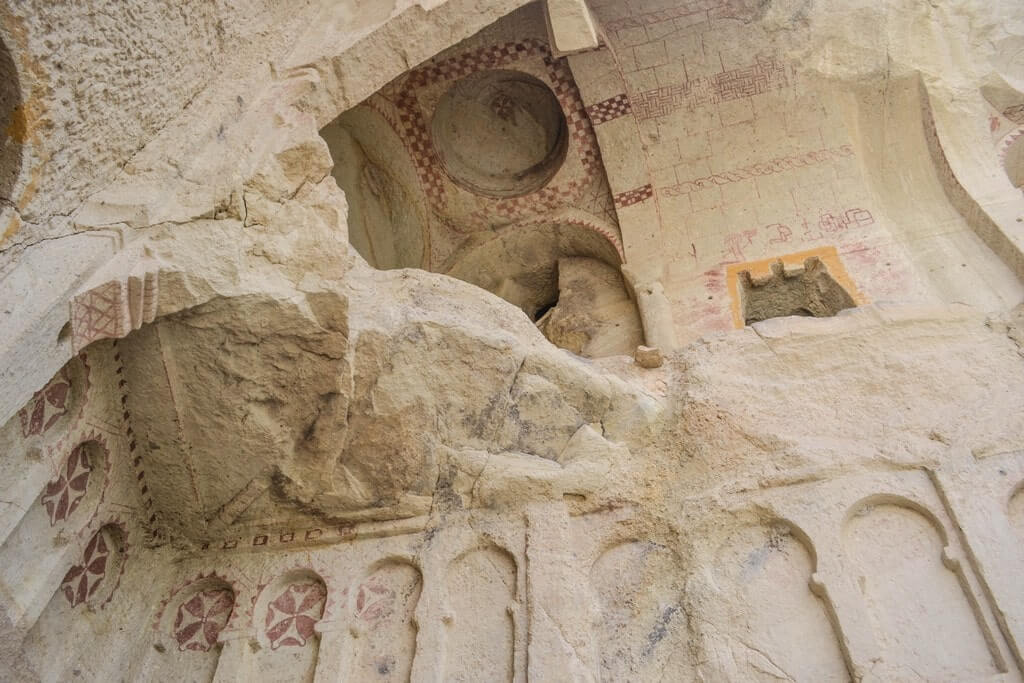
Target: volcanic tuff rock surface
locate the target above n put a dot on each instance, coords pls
(311, 374)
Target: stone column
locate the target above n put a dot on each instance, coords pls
(334, 651)
(655, 312)
(235, 661)
(432, 620)
(559, 643)
(976, 492)
(851, 621)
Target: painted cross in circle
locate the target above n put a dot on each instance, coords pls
(83, 579)
(292, 615)
(46, 407)
(63, 495)
(201, 618)
(374, 600)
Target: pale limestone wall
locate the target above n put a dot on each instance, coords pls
(201, 161)
(232, 449)
(99, 80)
(752, 152)
(723, 531)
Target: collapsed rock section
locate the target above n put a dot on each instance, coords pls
(482, 164)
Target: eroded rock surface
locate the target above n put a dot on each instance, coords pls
(491, 340)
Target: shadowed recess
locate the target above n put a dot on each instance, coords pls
(12, 124)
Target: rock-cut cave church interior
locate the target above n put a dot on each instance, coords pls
(507, 340)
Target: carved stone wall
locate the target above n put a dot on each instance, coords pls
(325, 383)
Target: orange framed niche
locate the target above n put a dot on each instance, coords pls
(828, 256)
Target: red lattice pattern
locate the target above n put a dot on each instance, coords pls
(99, 313)
(765, 74)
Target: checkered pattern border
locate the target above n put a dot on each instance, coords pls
(460, 66)
(634, 196)
(609, 109)
(410, 124)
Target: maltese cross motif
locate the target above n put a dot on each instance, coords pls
(63, 495)
(82, 580)
(374, 601)
(201, 618)
(46, 407)
(504, 107)
(293, 614)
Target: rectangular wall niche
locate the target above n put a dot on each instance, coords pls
(808, 283)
